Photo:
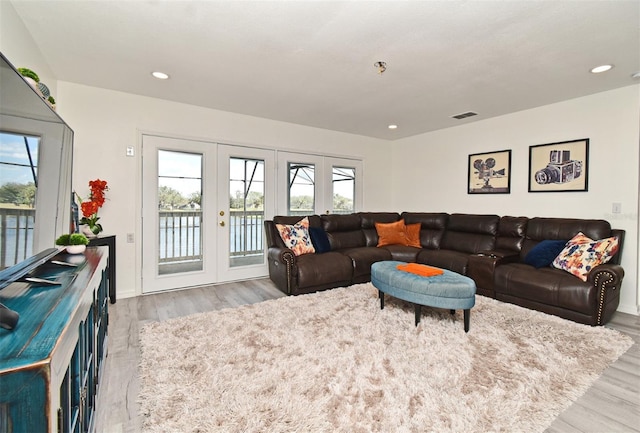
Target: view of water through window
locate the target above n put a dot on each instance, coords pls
(18, 183)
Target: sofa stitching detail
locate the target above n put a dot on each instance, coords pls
(602, 288)
(288, 259)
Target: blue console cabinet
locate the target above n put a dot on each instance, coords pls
(50, 364)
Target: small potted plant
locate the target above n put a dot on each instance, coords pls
(30, 77)
(52, 102)
(75, 243)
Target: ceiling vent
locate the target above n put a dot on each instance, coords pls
(464, 115)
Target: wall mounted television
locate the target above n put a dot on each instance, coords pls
(36, 158)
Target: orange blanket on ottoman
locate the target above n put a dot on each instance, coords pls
(422, 270)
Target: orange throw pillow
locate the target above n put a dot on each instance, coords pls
(422, 270)
(412, 234)
(391, 233)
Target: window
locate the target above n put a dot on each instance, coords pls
(301, 198)
(246, 211)
(179, 212)
(344, 189)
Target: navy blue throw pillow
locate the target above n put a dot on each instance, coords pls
(320, 240)
(544, 253)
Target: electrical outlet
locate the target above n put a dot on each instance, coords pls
(616, 207)
(129, 238)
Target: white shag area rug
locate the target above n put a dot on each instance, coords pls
(334, 362)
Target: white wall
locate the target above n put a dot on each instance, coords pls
(430, 170)
(18, 46)
(105, 122)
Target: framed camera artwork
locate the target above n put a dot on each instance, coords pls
(562, 166)
(489, 173)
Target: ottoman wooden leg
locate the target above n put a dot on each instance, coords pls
(418, 310)
(467, 317)
(381, 296)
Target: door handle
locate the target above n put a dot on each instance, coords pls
(221, 223)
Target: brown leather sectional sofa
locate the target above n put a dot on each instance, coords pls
(488, 248)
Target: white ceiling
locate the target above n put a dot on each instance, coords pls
(311, 63)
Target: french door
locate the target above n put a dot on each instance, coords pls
(203, 207)
(246, 179)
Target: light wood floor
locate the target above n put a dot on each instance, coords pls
(612, 404)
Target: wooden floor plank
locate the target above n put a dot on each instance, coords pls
(612, 404)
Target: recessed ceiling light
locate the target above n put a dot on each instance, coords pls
(393, 126)
(601, 68)
(160, 75)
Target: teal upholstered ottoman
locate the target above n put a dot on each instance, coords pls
(450, 290)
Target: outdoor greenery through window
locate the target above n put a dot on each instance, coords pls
(301, 189)
(18, 183)
(344, 189)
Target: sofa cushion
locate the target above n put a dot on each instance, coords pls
(398, 233)
(391, 233)
(343, 231)
(403, 253)
(511, 233)
(368, 226)
(296, 237)
(319, 239)
(323, 270)
(544, 253)
(455, 261)
(363, 258)
(547, 286)
(412, 235)
(432, 226)
(539, 229)
(582, 254)
(470, 233)
(314, 220)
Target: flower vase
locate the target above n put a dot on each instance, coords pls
(86, 230)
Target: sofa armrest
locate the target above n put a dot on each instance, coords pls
(607, 275)
(282, 268)
(282, 255)
(607, 280)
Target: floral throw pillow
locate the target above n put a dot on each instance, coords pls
(296, 237)
(582, 254)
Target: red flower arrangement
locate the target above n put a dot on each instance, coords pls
(90, 208)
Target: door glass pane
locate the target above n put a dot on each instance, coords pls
(301, 200)
(18, 182)
(179, 212)
(246, 211)
(344, 189)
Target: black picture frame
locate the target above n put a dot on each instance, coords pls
(489, 173)
(559, 167)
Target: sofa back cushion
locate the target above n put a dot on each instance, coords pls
(432, 227)
(511, 233)
(314, 220)
(470, 233)
(539, 229)
(343, 231)
(368, 224)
